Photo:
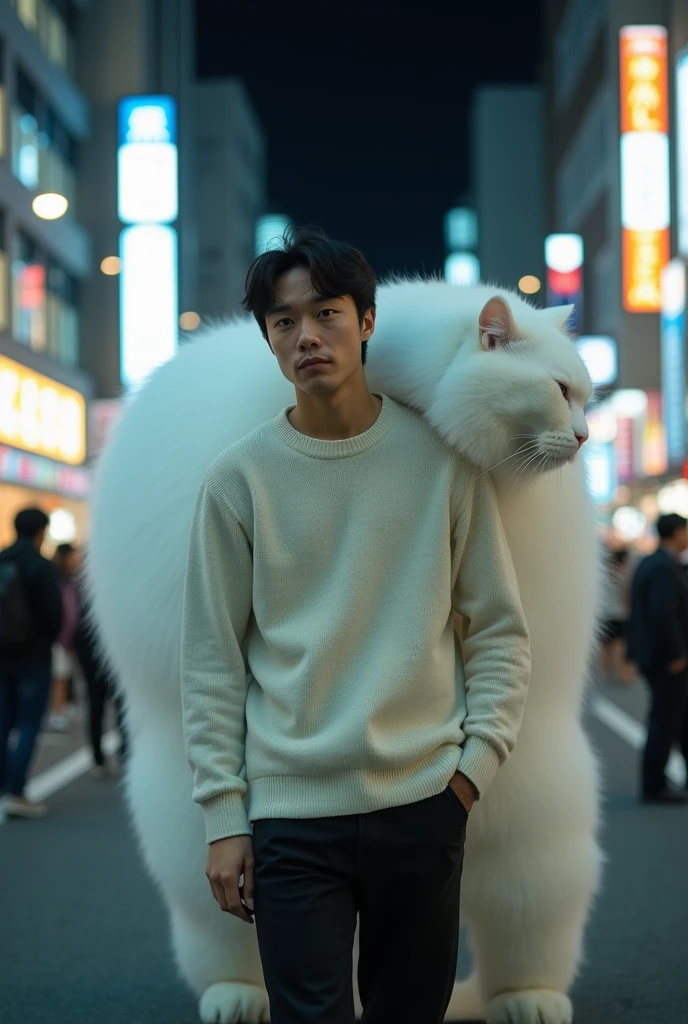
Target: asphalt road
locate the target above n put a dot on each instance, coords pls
(83, 934)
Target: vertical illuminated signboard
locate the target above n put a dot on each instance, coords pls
(674, 359)
(147, 199)
(644, 164)
(682, 150)
(564, 262)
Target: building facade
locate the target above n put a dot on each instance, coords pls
(507, 182)
(44, 265)
(612, 165)
(230, 150)
(64, 67)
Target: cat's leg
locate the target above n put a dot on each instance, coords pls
(217, 955)
(530, 877)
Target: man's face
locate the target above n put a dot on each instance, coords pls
(681, 538)
(317, 340)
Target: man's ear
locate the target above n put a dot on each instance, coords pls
(368, 325)
(496, 324)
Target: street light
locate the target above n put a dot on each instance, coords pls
(189, 321)
(110, 265)
(529, 284)
(50, 205)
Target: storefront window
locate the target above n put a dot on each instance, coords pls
(43, 152)
(63, 319)
(29, 295)
(4, 279)
(52, 21)
(44, 304)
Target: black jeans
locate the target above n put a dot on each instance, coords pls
(668, 710)
(100, 690)
(399, 869)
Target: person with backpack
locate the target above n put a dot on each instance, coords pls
(30, 622)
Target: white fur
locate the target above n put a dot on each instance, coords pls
(532, 860)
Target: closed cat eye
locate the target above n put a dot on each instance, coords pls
(564, 390)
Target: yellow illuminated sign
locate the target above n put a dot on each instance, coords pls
(644, 164)
(40, 415)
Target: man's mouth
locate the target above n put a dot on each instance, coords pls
(316, 361)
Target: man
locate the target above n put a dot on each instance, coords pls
(30, 621)
(658, 643)
(100, 687)
(328, 550)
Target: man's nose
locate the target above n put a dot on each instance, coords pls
(307, 333)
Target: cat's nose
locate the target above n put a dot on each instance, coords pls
(581, 438)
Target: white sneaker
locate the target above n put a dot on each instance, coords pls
(20, 807)
(58, 722)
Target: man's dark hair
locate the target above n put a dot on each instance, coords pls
(669, 524)
(62, 550)
(336, 269)
(29, 522)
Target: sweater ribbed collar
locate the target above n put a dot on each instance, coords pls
(317, 448)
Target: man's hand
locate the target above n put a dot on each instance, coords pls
(678, 665)
(228, 860)
(464, 789)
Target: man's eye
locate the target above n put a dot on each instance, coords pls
(283, 322)
(323, 311)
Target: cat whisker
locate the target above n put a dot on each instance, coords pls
(526, 462)
(519, 451)
(536, 467)
(527, 459)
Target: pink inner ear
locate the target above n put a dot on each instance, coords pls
(496, 322)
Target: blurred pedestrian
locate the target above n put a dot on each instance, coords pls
(100, 688)
(30, 621)
(658, 643)
(615, 610)
(66, 562)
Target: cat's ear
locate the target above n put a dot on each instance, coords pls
(496, 324)
(560, 315)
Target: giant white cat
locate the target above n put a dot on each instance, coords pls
(511, 398)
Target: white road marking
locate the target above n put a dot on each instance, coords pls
(43, 785)
(628, 729)
(70, 768)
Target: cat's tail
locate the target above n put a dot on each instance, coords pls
(465, 1003)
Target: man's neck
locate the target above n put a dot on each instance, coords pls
(347, 413)
(669, 548)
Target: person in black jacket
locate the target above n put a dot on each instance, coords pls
(99, 686)
(25, 666)
(658, 644)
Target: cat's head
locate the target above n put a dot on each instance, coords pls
(515, 393)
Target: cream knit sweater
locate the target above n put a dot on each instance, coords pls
(318, 646)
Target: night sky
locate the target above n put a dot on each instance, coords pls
(365, 106)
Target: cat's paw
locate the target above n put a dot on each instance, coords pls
(530, 1006)
(233, 1002)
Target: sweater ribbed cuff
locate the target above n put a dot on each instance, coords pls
(479, 763)
(225, 816)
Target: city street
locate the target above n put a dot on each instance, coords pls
(84, 935)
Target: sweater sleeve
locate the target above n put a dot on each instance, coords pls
(495, 641)
(217, 605)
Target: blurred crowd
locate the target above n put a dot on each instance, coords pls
(52, 675)
(644, 638)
